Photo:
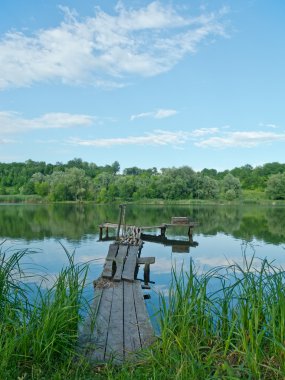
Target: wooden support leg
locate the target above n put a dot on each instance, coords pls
(100, 233)
(146, 273)
(107, 232)
(162, 231)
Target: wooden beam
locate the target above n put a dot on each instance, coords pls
(144, 260)
(145, 328)
(131, 331)
(100, 332)
(130, 264)
(120, 260)
(115, 339)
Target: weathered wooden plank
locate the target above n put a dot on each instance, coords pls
(100, 332)
(131, 332)
(115, 339)
(108, 269)
(146, 260)
(145, 328)
(130, 264)
(120, 260)
(109, 262)
(180, 220)
(113, 249)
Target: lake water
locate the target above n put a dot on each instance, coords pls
(223, 235)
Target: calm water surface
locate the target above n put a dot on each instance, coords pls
(223, 235)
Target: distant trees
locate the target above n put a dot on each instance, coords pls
(276, 186)
(79, 180)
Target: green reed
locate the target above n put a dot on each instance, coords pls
(39, 326)
(228, 323)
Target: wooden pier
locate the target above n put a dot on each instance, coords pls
(119, 325)
(175, 222)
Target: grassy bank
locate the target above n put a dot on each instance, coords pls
(18, 198)
(248, 196)
(228, 323)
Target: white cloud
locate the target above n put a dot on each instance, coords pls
(158, 114)
(204, 131)
(13, 122)
(243, 139)
(156, 138)
(103, 49)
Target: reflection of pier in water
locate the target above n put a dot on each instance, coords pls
(178, 246)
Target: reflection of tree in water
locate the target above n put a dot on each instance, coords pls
(38, 222)
(276, 223)
(75, 221)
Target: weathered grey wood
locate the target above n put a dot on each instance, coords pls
(108, 269)
(100, 332)
(119, 325)
(130, 264)
(145, 260)
(113, 249)
(146, 273)
(115, 338)
(131, 332)
(120, 259)
(145, 328)
(109, 263)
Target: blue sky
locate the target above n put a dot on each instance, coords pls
(146, 83)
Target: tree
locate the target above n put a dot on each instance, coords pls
(276, 186)
(231, 186)
(205, 188)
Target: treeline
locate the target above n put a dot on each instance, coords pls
(78, 180)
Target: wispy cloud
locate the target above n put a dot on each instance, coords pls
(242, 139)
(6, 141)
(156, 138)
(268, 125)
(13, 122)
(158, 114)
(105, 49)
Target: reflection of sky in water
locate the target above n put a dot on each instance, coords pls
(212, 251)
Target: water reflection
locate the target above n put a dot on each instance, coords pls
(223, 234)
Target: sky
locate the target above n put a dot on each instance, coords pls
(145, 83)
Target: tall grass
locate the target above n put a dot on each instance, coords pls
(38, 338)
(228, 323)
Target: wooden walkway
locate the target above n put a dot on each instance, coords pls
(119, 325)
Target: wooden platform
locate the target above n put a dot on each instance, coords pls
(118, 326)
(175, 222)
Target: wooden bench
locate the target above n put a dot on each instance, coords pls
(120, 324)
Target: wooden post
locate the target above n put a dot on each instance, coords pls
(162, 231)
(100, 233)
(190, 233)
(120, 220)
(146, 273)
(107, 232)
